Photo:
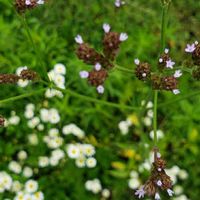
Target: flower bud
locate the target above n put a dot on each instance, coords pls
(169, 83)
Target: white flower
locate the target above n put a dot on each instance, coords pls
(54, 116)
(178, 189)
(40, 2)
(58, 153)
(100, 89)
(29, 114)
(73, 129)
(22, 83)
(38, 196)
(140, 193)
(5, 181)
(22, 155)
(33, 139)
(166, 51)
(59, 68)
(106, 28)
(44, 115)
(40, 127)
(43, 161)
(170, 64)
(33, 122)
(93, 186)
(182, 174)
(137, 61)
(15, 167)
(160, 134)
(80, 162)
(123, 37)
(147, 121)
(73, 151)
(79, 39)
(97, 66)
(28, 2)
(170, 192)
(160, 60)
(176, 91)
(178, 73)
(27, 172)
(31, 186)
(84, 74)
(88, 150)
(91, 162)
(16, 186)
(134, 174)
(190, 48)
(157, 196)
(182, 197)
(53, 132)
(105, 193)
(133, 183)
(124, 127)
(14, 120)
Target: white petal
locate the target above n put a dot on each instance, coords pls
(79, 39)
(106, 28)
(123, 37)
(137, 61)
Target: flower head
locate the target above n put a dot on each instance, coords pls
(140, 193)
(79, 39)
(106, 28)
(100, 89)
(170, 64)
(123, 37)
(190, 48)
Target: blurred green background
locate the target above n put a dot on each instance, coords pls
(53, 28)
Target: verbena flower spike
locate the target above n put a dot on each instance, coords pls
(102, 62)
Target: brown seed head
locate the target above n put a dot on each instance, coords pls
(169, 83)
(22, 7)
(196, 55)
(8, 78)
(28, 74)
(143, 71)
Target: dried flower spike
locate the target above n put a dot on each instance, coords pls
(28, 74)
(8, 78)
(23, 5)
(158, 180)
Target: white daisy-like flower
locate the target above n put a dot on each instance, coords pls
(80, 162)
(59, 68)
(27, 172)
(31, 186)
(91, 162)
(73, 151)
(15, 167)
(88, 150)
(43, 161)
(79, 39)
(40, 2)
(106, 28)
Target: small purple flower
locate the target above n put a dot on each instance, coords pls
(84, 74)
(79, 39)
(157, 196)
(159, 183)
(140, 192)
(100, 89)
(123, 37)
(97, 66)
(119, 3)
(170, 192)
(28, 2)
(176, 91)
(190, 48)
(106, 28)
(137, 61)
(178, 73)
(170, 64)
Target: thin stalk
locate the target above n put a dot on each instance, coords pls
(15, 98)
(155, 139)
(36, 50)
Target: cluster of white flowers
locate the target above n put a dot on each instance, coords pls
(57, 76)
(29, 192)
(83, 154)
(5, 182)
(13, 119)
(22, 82)
(95, 187)
(74, 130)
(53, 140)
(175, 172)
(149, 115)
(124, 126)
(134, 181)
(50, 115)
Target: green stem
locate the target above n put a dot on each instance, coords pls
(15, 98)
(155, 105)
(36, 50)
